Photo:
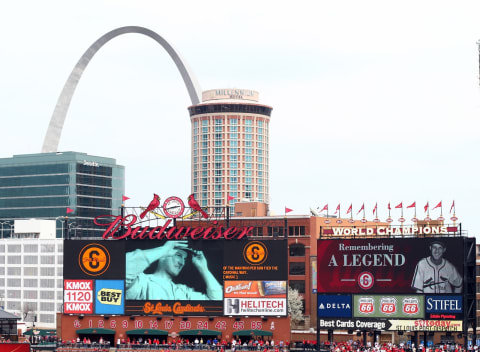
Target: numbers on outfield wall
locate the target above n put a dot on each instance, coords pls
(168, 324)
(202, 325)
(256, 325)
(184, 325)
(238, 325)
(221, 325)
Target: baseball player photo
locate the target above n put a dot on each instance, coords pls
(435, 274)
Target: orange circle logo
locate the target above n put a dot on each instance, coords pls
(94, 259)
(255, 252)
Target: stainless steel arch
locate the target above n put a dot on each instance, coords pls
(52, 138)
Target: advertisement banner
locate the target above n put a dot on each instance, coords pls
(443, 304)
(347, 324)
(255, 289)
(392, 306)
(78, 296)
(255, 260)
(391, 324)
(109, 297)
(390, 265)
(255, 306)
(426, 325)
(444, 307)
(160, 308)
(334, 306)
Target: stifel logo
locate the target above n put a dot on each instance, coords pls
(255, 252)
(94, 259)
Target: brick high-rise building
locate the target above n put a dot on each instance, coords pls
(230, 147)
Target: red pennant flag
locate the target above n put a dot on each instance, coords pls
(288, 210)
(229, 197)
(413, 205)
(426, 207)
(389, 208)
(453, 206)
(324, 208)
(399, 206)
(375, 209)
(338, 209)
(438, 205)
(70, 210)
(349, 209)
(362, 208)
(124, 198)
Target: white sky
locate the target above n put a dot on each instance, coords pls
(374, 101)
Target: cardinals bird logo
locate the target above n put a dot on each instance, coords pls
(153, 205)
(195, 206)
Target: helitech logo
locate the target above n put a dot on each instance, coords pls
(94, 259)
(255, 252)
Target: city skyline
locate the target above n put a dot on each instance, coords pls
(372, 102)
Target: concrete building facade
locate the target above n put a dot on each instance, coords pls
(31, 274)
(230, 147)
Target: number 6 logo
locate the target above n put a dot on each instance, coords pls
(365, 280)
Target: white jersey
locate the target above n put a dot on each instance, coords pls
(431, 278)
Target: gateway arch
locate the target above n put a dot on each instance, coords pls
(52, 138)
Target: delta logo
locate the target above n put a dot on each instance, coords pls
(339, 306)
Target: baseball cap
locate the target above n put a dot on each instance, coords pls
(438, 242)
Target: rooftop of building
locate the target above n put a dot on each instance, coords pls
(230, 96)
(43, 158)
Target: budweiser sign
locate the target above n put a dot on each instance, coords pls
(118, 228)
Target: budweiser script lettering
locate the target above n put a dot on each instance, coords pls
(165, 232)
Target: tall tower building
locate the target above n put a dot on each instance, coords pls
(230, 147)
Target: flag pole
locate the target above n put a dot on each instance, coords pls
(454, 217)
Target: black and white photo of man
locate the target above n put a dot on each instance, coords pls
(435, 274)
(165, 264)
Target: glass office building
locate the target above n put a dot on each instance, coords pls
(44, 185)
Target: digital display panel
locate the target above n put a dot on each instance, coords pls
(177, 277)
(390, 265)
